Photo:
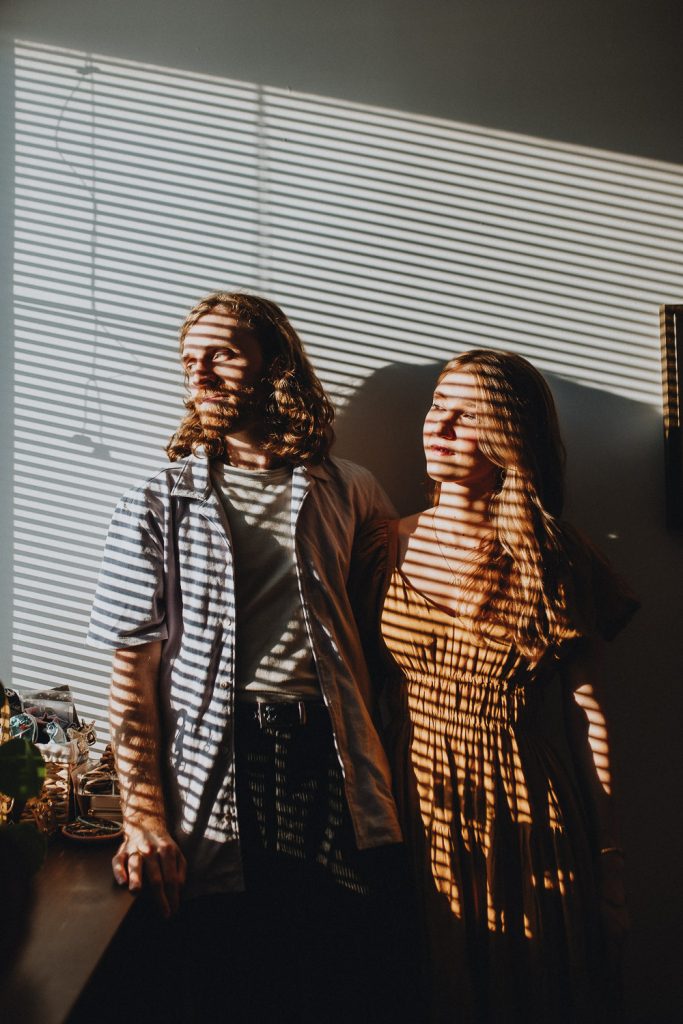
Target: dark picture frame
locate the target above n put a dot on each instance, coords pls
(671, 340)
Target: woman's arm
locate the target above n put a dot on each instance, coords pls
(589, 743)
(148, 851)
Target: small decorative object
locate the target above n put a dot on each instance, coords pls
(43, 813)
(24, 725)
(22, 769)
(84, 736)
(671, 338)
(13, 701)
(57, 785)
(97, 789)
(89, 830)
(49, 719)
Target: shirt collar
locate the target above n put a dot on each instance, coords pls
(194, 480)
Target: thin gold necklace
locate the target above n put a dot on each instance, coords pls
(456, 577)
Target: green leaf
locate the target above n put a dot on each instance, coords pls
(22, 769)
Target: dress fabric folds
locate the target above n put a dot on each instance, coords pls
(504, 856)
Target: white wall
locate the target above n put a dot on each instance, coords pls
(407, 179)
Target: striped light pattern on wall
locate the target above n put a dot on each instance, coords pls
(386, 237)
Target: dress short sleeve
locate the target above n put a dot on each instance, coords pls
(602, 601)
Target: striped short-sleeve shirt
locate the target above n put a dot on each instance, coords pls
(168, 574)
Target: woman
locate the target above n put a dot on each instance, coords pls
(491, 615)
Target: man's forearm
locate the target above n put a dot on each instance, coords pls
(134, 718)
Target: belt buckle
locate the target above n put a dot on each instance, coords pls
(267, 712)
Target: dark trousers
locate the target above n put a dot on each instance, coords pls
(323, 932)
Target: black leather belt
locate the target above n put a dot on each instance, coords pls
(282, 714)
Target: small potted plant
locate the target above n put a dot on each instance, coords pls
(22, 847)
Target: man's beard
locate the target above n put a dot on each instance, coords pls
(235, 410)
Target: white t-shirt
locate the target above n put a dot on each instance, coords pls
(273, 651)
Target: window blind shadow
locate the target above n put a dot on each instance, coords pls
(388, 238)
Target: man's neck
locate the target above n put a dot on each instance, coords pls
(244, 452)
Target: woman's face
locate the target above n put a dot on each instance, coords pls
(450, 435)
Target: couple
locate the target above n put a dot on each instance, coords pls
(301, 682)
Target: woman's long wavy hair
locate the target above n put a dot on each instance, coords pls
(297, 414)
(524, 568)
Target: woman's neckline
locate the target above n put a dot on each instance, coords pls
(428, 600)
(394, 526)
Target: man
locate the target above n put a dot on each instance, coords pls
(256, 792)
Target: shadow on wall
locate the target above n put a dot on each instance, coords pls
(615, 467)
(338, 211)
(616, 495)
(613, 443)
(381, 428)
(614, 452)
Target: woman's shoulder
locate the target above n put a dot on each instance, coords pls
(405, 530)
(408, 524)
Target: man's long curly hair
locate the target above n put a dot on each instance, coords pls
(297, 414)
(525, 568)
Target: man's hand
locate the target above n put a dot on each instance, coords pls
(149, 855)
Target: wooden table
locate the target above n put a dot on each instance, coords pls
(77, 913)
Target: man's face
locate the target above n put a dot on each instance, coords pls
(223, 365)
